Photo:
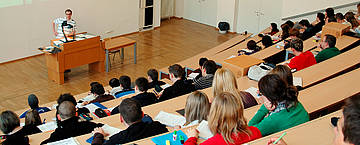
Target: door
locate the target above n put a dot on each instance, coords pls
(248, 16)
(192, 10)
(208, 12)
(271, 13)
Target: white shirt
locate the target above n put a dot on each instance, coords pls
(58, 22)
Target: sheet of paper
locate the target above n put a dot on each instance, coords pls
(232, 56)
(165, 86)
(80, 35)
(253, 91)
(57, 42)
(47, 126)
(110, 130)
(297, 81)
(193, 75)
(204, 131)
(170, 119)
(87, 36)
(69, 141)
(91, 107)
(22, 124)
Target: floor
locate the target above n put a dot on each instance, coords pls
(175, 40)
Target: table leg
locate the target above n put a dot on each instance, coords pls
(134, 53)
(107, 59)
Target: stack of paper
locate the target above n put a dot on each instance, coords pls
(69, 141)
(204, 131)
(47, 126)
(170, 119)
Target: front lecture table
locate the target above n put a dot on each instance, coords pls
(116, 43)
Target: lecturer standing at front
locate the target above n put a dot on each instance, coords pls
(68, 29)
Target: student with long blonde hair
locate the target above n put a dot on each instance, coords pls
(227, 123)
(225, 81)
(197, 108)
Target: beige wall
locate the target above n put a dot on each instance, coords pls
(27, 27)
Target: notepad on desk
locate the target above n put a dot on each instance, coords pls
(193, 75)
(170, 119)
(48, 126)
(204, 131)
(297, 81)
(165, 86)
(68, 141)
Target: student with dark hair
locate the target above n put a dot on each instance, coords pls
(302, 59)
(290, 23)
(347, 130)
(294, 33)
(130, 115)
(281, 109)
(307, 29)
(273, 28)
(91, 96)
(33, 102)
(125, 84)
(153, 78)
(340, 18)
(180, 85)
(328, 49)
(99, 91)
(266, 41)
(319, 23)
(69, 125)
(330, 19)
(201, 64)
(207, 71)
(251, 48)
(32, 118)
(143, 97)
(14, 133)
(70, 98)
(329, 13)
(285, 31)
(115, 86)
(355, 26)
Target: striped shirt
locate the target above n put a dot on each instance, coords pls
(67, 29)
(204, 82)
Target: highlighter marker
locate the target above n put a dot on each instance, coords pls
(182, 139)
(174, 136)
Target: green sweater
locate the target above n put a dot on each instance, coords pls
(326, 54)
(279, 121)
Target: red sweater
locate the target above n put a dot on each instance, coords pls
(217, 139)
(302, 61)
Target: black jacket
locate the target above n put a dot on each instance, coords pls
(180, 87)
(70, 128)
(134, 132)
(20, 137)
(145, 98)
(156, 83)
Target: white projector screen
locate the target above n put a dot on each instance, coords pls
(296, 7)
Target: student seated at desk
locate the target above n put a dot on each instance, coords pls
(328, 49)
(33, 102)
(227, 123)
(285, 31)
(153, 78)
(251, 48)
(302, 59)
(197, 108)
(307, 30)
(355, 27)
(130, 115)
(319, 22)
(91, 96)
(125, 84)
(70, 125)
(33, 118)
(143, 97)
(285, 74)
(273, 29)
(99, 91)
(266, 41)
(281, 109)
(14, 133)
(115, 86)
(201, 64)
(205, 81)
(180, 84)
(347, 129)
(225, 81)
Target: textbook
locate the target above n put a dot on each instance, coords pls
(170, 119)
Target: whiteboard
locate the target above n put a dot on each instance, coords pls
(296, 7)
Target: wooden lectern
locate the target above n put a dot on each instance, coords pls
(241, 64)
(74, 54)
(335, 29)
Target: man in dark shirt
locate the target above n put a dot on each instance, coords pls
(153, 78)
(125, 84)
(180, 85)
(206, 79)
(143, 97)
(130, 115)
(69, 125)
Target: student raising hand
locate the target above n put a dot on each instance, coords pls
(272, 140)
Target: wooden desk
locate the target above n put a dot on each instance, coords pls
(316, 132)
(335, 29)
(241, 64)
(117, 43)
(74, 54)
